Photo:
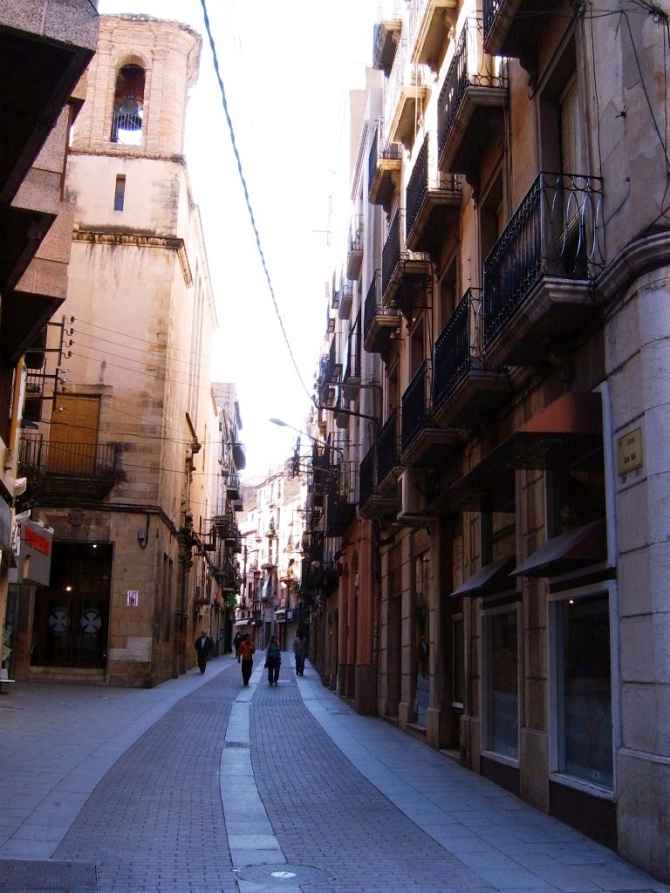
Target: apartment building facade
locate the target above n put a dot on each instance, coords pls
(45, 49)
(121, 455)
(510, 289)
(272, 526)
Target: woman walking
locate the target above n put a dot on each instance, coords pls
(273, 660)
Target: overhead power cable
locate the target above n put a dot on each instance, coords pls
(246, 192)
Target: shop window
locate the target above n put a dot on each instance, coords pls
(584, 689)
(127, 117)
(502, 683)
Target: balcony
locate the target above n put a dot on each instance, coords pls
(430, 24)
(330, 371)
(355, 252)
(407, 93)
(432, 203)
(513, 27)
(463, 388)
(342, 502)
(388, 453)
(421, 442)
(67, 471)
(232, 482)
(378, 498)
(385, 40)
(539, 274)
(380, 324)
(471, 104)
(405, 274)
(384, 167)
(346, 299)
(320, 470)
(239, 455)
(351, 378)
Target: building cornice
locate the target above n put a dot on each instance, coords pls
(137, 240)
(648, 253)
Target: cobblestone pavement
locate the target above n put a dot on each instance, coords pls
(205, 785)
(155, 821)
(326, 814)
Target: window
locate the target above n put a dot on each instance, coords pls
(584, 689)
(447, 294)
(502, 683)
(491, 215)
(458, 660)
(119, 193)
(128, 106)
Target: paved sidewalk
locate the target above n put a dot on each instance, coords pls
(202, 784)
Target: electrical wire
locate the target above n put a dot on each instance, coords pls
(247, 198)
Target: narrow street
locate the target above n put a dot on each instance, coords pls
(202, 784)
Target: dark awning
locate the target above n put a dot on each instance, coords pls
(568, 552)
(494, 577)
(566, 434)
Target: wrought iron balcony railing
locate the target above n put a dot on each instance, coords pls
(366, 481)
(469, 67)
(490, 10)
(390, 253)
(458, 347)
(557, 231)
(414, 406)
(377, 317)
(426, 180)
(352, 366)
(384, 162)
(342, 498)
(387, 447)
(45, 461)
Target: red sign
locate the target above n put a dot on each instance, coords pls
(37, 541)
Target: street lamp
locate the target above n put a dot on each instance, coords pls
(330, 446)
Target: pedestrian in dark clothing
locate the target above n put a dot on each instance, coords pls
(203, 645)
(239, 636)
(247, 657)
(300, 651)
(273, 660)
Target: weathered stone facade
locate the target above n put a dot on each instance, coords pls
(508, 295)
(138, 399)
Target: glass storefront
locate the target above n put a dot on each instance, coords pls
(584, 689)
(503, 694)
(71, 618)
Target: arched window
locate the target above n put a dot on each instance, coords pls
(128, 106)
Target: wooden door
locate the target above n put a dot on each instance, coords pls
(74, 435)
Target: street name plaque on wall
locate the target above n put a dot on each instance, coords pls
(630, 451)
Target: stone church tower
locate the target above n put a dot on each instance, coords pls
(136, 409)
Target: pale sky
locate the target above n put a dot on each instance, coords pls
(287, 69)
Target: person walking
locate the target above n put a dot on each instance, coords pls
(300, 651)
(273, 660)
(239, 636)
(247, 650)
(203, 645)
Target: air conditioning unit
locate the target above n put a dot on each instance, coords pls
(413, 502)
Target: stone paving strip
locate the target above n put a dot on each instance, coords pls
(203, 784)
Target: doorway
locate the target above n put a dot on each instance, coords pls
(71, 619)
